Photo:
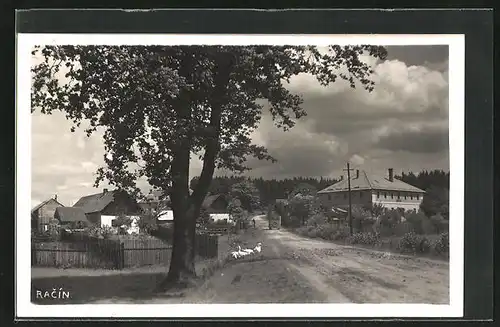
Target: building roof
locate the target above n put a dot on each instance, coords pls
(368, 181)
(95, 202)
(69, 214)
(210, 199)
(38, 206)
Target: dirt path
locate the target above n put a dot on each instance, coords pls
(318, 271)
(366, 276)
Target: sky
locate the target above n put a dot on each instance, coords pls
(402, 124)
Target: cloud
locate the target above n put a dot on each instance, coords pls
(402, 124)
(426, 139)
(357, 160)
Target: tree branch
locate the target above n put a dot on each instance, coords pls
(225, 62)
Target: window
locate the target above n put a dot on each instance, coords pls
(378, 195)
(392, 195)
(399, 195)
(385, 195)
(405, 196)
(418, 197)
(411, 196)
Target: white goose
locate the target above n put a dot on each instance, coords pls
(241, 252)
(258, 248)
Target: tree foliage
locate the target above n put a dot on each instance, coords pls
(158, 105)
(248, 195)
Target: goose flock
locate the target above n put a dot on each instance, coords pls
(240, 253)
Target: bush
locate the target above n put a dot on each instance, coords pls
(414, 243)
(439, 223)
(363, 238)
(342, 233)
(326, 231)
(403, 228)
(317, 219)
(417, 220)
(442, 244)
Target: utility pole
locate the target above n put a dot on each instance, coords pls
(349, 194)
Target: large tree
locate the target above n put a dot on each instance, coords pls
(158, 105)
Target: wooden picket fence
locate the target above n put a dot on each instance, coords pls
(113, 253)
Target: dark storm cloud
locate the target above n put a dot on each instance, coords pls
(428, 140)
(342, 114)
(422, 55)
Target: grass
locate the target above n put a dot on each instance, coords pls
(385, 243)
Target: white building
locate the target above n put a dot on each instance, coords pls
(367, 189)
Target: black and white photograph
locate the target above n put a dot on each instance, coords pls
(241, 171)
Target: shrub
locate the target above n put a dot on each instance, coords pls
(204, 217)
(326, 231)
(363, 238)
(403, 228)
(416, 219)
(317, 219)
(414, 243)
(442, 244)
(304, 230)
(439, 223)
(342, 233)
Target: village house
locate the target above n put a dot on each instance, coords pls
(102, 208)
(368, 189)
(71, 218)
(216, 206)
(216, 203)
(43, 213)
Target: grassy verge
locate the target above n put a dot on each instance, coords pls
(435, 246)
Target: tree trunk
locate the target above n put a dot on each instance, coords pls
(182, 272)
(186, 207)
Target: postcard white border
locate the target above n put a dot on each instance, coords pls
(24, 307)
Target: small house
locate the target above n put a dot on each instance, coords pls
(102, 208)
(216, 203)
(43, 213)
(71, 217)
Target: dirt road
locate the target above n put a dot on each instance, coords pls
(296, 269)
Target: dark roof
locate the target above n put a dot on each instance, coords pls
(210, 199)
(95, 202)
(371, 182)
(69, 214)
(38, 206)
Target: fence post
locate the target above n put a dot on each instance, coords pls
(122, 255)
(33, 255)
(216, 247)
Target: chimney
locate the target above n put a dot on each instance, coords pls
(357, 173)
(341, 177)
(391, 174)
(105, 190)
(55, 197)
